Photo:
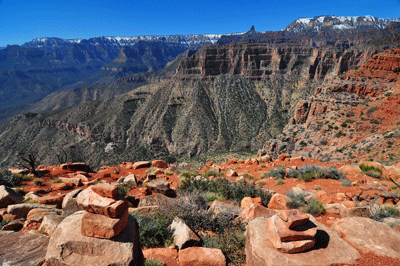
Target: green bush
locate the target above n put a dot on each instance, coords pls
(248, 176)
(381, 212)
(8, 179)
(277, 173)
(280, 181)
(314, 207)
(154, 231)
(232, 244)
(209, 173)
(371, 170)
(228, 190)
(310, 172)
(152, 263)
(298, 200)
(346, 183)
(124, 188)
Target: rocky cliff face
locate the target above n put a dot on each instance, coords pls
(263, 61)
(349, 117)
(231, 97)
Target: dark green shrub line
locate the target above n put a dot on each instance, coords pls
(278, 173)
(371, 170)
(229, 190)
(310, 172)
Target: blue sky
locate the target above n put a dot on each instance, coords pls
(23, 20)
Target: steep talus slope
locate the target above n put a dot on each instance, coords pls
(351, 117)
(232, 97)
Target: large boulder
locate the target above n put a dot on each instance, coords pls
(23, 209)
(9, 196)
(368, 235)
(166, 256)
(254, 211)
(22, 248)
(355, 212)
(279, 202)
(329, 248)
(50, 223)
(183, 236)
(68, 247)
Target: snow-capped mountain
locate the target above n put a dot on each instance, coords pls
(339, 23)
(190, 40)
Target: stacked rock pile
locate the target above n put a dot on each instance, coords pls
(105, 216)
(291, 231)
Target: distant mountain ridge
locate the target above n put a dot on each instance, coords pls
(188, 40)
(339, 23)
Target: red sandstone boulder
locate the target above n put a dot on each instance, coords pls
(246, 201)
(200, 256)
(159, 164)
(293, 218)
(166, 256)
(142, 164)
(254, 211)
(279, 202)
(368, 235)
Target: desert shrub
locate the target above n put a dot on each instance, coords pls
(152, 263)
(124, 188)
(381, 212)
(277, 173)
(209, 173)
(318, 188)
(371, 170)
(186, 174)
(323, 142)
(344, 124)
(37, 182)
(4, 222)
(346, 183)
(168, 172)
(298, 200)
(229, 190)
(8, 179)
(371, 110)
(231, 243)
(153, 231)
(314, 207)
(310, 172)
(303, 143)
(57, 180)
(151, 170)
(247, 175)
(280, 181)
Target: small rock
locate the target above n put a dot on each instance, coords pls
(293, 218)
(218, 208)
(31, 196)
(232, 161)
(57, 200)
(283, 156)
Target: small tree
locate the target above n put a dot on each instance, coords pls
(31, 160)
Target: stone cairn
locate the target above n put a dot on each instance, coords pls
(105, 216)
(291, 231)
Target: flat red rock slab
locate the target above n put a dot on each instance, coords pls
(100, 226)
(293, 218)
(106, 190)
